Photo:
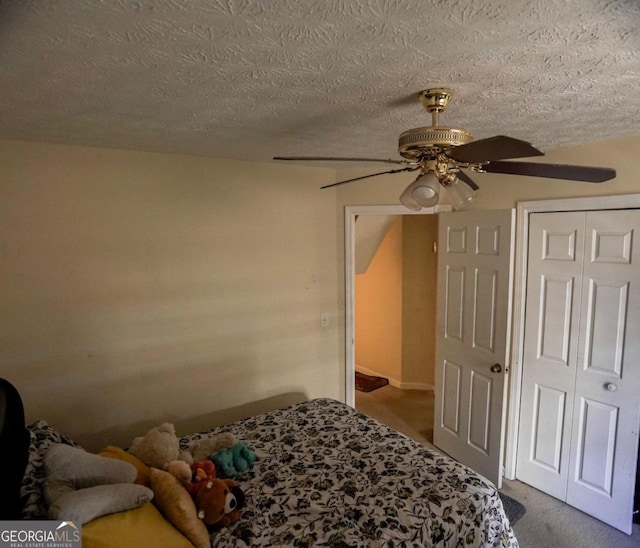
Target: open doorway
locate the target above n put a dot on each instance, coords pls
(391, 291)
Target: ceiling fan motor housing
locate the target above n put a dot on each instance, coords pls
(425, 142)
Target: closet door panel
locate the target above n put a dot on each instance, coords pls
(606, 411)
(547, 428)
(554, 287)
(555, 313)
(595, 442)
(605, 322)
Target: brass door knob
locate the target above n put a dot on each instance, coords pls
(496, 368)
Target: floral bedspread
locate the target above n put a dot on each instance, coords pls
(327, 475)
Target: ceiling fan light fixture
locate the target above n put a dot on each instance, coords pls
(441, 153)
(460, 194)
(423, 192)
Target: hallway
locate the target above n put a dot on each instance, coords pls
(408, 411)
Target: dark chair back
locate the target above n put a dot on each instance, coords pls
(14, 450)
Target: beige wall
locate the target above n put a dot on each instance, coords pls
(419, 290)
(378, 303)
(138, 288)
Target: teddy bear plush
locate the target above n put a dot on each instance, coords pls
(219, 502)
(180, 470)
(201, 449)
(159, 446)
(231, 462)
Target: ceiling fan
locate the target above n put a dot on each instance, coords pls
(440, 154)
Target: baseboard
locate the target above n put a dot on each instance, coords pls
(366, 371)
(395, 382)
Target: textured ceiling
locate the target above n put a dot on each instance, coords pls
(256, 78)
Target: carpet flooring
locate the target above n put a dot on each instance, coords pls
(407, 411)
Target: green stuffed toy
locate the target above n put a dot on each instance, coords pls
(233, 461)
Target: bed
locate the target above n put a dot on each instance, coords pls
(326, 475)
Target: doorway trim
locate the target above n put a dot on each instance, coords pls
(524, 209)
(350, 214)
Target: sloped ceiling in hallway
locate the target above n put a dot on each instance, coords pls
(370, 231)
(250, 79)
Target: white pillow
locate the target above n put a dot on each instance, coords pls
(81, 486)
(86, 504)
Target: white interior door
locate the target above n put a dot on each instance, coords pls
(554, 287)
(606, 415)
(474, 287)
(579, 412)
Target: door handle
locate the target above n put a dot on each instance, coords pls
(496, 368)
(611, 387)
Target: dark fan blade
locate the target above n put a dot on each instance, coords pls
(553, 171)
(499, 147)
(329, 159)
(372, 175)
(464, 177)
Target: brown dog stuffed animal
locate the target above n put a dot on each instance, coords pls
(218, 502)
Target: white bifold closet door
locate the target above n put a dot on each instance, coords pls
(580, 411)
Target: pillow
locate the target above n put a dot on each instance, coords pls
(69, 468)
(81, 486)
(178, 507)
(142, 527)
(85, 505)
(41, 437)
(117, 453)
